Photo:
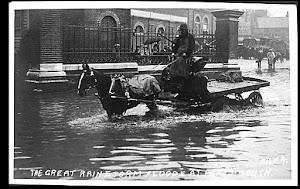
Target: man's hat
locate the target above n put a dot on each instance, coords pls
(183, 27)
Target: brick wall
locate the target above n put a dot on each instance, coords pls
(27, 39)
(227, 33)
(283, 33)
(21, 27)
(150, 25)
(93, 16)
(227, 39)
(233, 40)
(174, 11)
(222, 38)
(51, 36)
(190, 13)
(73, 16)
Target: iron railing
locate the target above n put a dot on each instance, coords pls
(82, 44)
(95, 44)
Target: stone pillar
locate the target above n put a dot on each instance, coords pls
(51, 40)
(227, 33)
(50, 75)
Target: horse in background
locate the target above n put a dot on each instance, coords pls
(116, 93)
(278, 56)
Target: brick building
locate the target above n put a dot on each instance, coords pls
(142, 21)
(42, 35)
(272, 27)
(39, 34)
(38, 39)
(198, 20)
(28, 22)
(257, 24)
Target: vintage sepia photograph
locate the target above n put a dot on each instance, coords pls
(153, 93)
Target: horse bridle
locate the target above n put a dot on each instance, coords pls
(94, 79)
(91, 74)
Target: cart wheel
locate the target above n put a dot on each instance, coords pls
(254, 99)
(220, 104)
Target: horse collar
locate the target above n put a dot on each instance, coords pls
(92, 75)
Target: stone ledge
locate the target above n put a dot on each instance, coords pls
(51, 67)
(102, 66)
(45, 74)
(46, 81)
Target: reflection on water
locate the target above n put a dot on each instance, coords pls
(62, 131)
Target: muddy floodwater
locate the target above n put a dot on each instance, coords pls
(64, 136)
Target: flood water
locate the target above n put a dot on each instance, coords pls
(64, 136)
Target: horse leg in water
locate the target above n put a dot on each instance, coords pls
(152, 106)
(117, 107)
(107, 108)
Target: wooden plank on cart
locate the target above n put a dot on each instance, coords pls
(218, 89)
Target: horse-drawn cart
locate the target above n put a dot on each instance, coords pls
(181, 83)
(118, 93)
(221, 94)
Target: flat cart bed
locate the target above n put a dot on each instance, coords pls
(218, 89)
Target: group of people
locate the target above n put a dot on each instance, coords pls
(272, 58)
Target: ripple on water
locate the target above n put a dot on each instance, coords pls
(98, 147)
(140, 152)
(136, 139)
(119, 158)
(160, 134)
(22, 157)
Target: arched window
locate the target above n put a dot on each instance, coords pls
(139, 30)
(108, 16)
(161, 30)
(205, 24)
(108, 24)
(197, 25)
(108, 21)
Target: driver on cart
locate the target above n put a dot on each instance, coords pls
(182, 50)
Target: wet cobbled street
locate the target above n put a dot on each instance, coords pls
(64, 136)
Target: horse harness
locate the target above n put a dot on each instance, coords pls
(123, 82)
(95, 82)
